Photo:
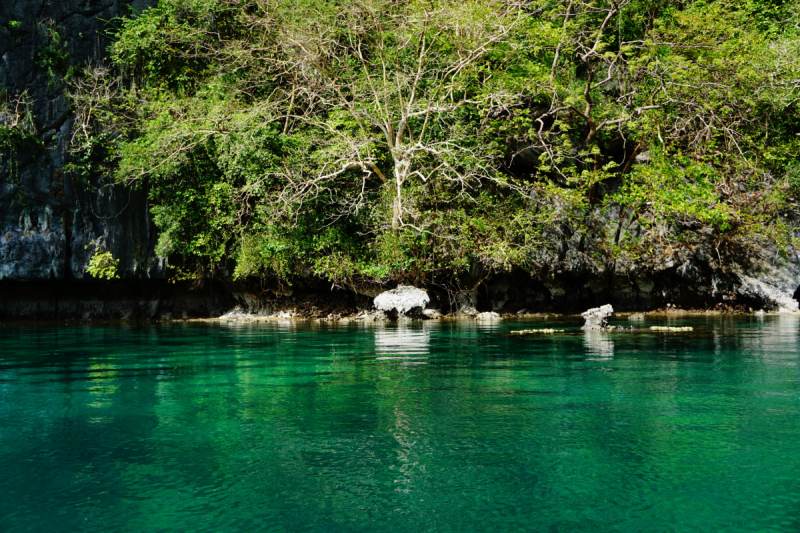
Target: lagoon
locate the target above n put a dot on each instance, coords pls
(417, 426)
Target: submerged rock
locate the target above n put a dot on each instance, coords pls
(596, 317)
(402, 300)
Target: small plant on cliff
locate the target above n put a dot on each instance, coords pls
(102, 265)
(53, 55)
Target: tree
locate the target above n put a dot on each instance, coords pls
(394, 88)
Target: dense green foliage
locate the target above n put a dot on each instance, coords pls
(403, 139)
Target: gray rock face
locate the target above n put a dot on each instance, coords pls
(402, 300)
(574, 272)
(466, 303)
(596, 318)
(48, 218)
(774, 297)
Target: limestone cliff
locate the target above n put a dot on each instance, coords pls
(578, 275)
(49, 219)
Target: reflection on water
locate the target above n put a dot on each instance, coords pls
(598, 344)
(402, 341)
(776, 334)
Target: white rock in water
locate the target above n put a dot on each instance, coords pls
(403, 299)
(491, 315)
(596, 317)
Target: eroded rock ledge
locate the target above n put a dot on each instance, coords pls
(160, 300)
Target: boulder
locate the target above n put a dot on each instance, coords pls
(402, 300)
(489, 315)
(596, 317)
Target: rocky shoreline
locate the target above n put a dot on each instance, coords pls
(159, 300)
(367, 316)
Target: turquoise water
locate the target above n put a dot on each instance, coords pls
(400, 427)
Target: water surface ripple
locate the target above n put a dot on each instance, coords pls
(436, 426)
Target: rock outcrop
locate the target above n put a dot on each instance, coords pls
(403, 301)
(596, 317)
(466, 302)
(574, 273)
(773, 298)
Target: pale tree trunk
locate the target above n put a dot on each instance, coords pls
(402, 166)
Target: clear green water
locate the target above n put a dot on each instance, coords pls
(417, 427)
